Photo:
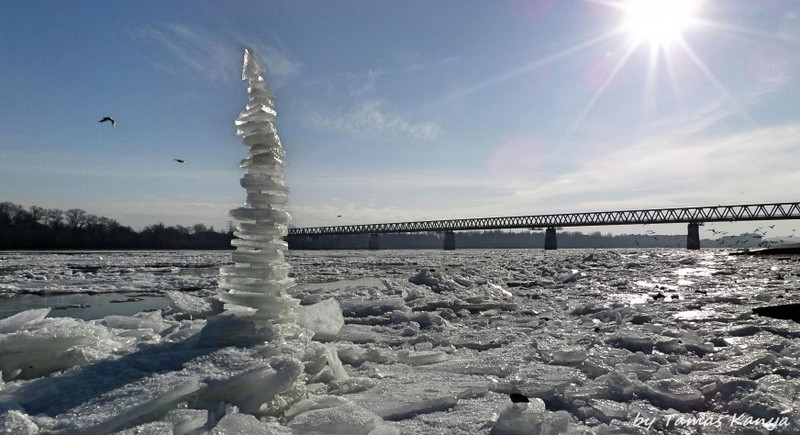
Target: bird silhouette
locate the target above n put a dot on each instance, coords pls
(180, 160)
(108, 118)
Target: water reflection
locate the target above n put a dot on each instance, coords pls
(83, 306)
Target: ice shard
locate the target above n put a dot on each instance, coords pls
(254, 287)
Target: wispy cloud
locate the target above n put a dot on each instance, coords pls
(702, 157)
(188, 51)
(405, 180)
(372, 118)
(390, 196)
(675, 169)
(366, 81)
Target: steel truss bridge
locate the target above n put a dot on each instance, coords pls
(693, 216)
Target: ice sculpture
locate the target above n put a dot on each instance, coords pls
(259, 313)
(254, 287)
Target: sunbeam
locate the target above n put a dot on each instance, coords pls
(601, 89)
(649, 99)
(698, 62)
(525, 68)
(660, 26)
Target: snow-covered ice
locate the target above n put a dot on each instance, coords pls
(432, 352)
(502, 342)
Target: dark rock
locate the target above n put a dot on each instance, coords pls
(788, 311)
(518, 398)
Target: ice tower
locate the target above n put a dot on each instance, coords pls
(259, 313)
(254, 287)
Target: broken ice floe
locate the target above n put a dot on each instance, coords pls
(430, 364)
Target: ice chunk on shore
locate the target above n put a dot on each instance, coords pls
(372, 307)
(494, 291)
(251, 389)
(607, 410)
(195, 307)
(331, 369)
(421, 357)
(152, 322)
(17, 422)
(343, 417)
(573, 276)
(236, 423)
(674, 394)
(138, 402)
(324, 318)
(312, 403)
(406, 410)
(531, 419)
(437, 281)
(185, 421)
(13, 323)
(632, 340)
(570, 356)
(40, 346)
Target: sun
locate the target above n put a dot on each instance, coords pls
(659, 22)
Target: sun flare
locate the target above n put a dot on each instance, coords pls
(659, 22)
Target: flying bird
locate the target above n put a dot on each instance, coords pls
(108, 118)
(180, 160)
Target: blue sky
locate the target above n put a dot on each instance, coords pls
(399, 110)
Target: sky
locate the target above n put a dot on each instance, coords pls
(396, 111)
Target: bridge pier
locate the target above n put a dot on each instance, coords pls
(449, 241)
(550, 242)
(693, 236)
(316, 242)
(374, 241)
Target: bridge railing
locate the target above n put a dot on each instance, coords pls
(718, 213)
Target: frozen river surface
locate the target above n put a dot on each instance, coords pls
(598, 341)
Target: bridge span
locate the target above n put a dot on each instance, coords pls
(692, 216)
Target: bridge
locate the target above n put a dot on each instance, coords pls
(692, 216)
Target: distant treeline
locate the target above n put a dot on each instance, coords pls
(37, 228)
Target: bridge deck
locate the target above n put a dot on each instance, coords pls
(718, 213)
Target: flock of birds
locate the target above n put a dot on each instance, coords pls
(723, 238)
(114, 123)
(757, 234)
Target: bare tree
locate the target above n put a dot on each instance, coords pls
(37, 214)
(10, 213)
(53, 217)
(76, 218)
